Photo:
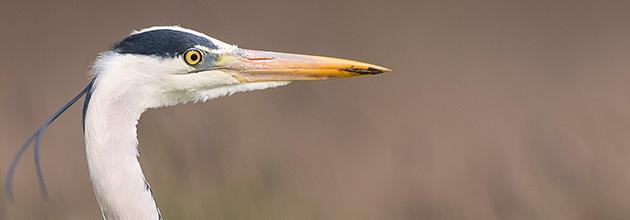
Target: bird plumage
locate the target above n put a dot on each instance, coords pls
(165, 66)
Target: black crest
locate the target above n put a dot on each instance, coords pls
(164, 43)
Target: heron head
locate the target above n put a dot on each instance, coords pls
(176, 65)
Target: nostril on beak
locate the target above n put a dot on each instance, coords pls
(259, 58)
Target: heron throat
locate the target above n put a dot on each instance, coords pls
(111, 115)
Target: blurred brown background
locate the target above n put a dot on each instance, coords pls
(495, 110)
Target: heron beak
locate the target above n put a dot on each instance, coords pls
(256, 66)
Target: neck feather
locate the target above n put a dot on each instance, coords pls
(124, 87)
(111, 117)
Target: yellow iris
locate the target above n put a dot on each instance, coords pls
(192, 57)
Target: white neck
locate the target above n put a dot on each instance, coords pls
(121, 189)
(125, 86)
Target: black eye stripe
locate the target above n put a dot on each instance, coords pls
(164, 43)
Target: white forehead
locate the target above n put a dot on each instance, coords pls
(218, 43)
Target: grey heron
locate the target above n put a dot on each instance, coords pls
(158, 67)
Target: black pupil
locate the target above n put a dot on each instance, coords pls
(194, 57)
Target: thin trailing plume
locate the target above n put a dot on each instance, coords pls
(37, 136)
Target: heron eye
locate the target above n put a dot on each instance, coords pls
(192, 57)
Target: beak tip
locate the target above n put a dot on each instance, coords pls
(367, 71)
(378, 70)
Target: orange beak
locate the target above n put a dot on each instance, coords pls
(255, 66)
